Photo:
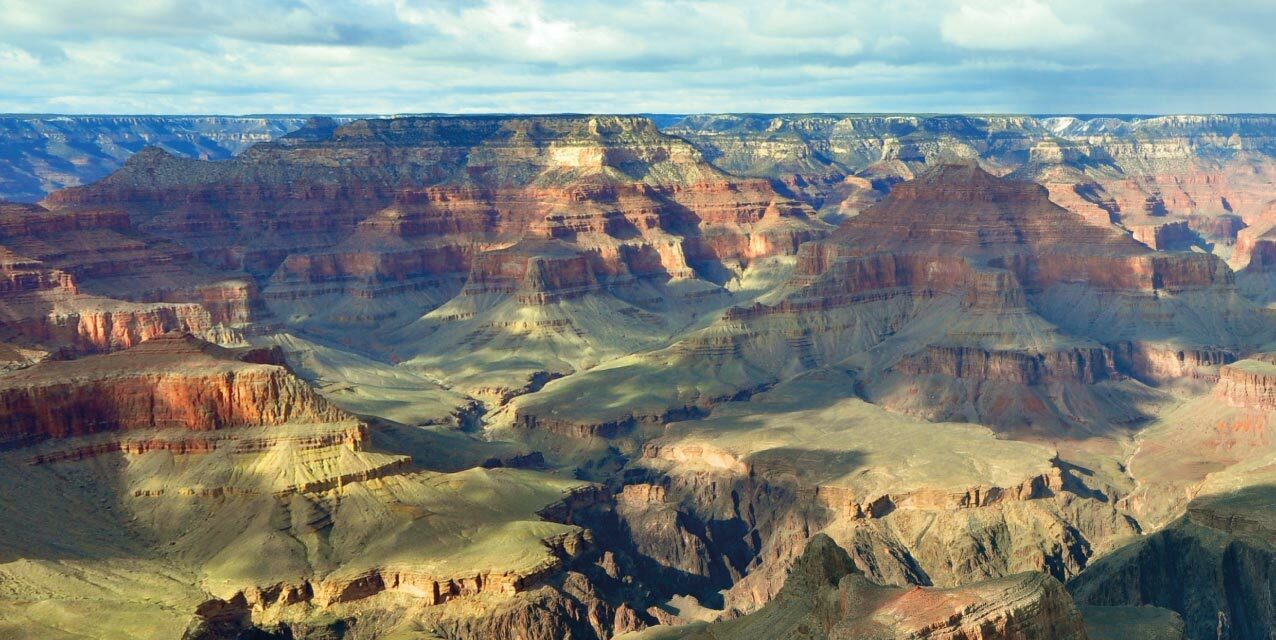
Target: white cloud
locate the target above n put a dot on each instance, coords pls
(369, 56)
(1009, 24)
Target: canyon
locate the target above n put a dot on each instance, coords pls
(616, 376)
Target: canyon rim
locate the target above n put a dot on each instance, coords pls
(324, 320)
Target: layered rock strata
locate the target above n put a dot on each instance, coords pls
(826, 597)
(174, 380)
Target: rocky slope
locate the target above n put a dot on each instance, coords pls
(574, 376)
(1214, 567)
(139, 478)
(85, 282)
(174, 380)
(1126, 166)
(825, 597)
(960, 296)
(573, 239)
(45, 153)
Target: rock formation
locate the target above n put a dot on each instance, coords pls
(825, 597)
(497, 232)
(1214, 567)
(172, 381)
(960, 296)
(51, 152)
(582, 376)
(85, 282)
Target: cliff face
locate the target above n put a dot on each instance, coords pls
(973, 382)
(170, 381)
(86, 282)
(1249, 383)
(964, 296)
(468, 229)
(437, 176)
(1106, 168)
(825, 597)
(1216, 568)
(1005, 251)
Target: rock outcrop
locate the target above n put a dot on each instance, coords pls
(607, 377)
(1249, 383)
(493, 232)
(171, 381)
(825, 597)
(1216, 567)
(1108, 169)
(964, 296)
(86, 282)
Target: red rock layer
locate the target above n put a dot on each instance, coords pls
(84, 282)
(1084, 365)
(962, 210)
(174, 381)
(380, 207)
(1249, 383)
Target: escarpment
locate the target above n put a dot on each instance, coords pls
(577, 376)
(174, 380)
(88, 282)
(493, 232)
(963, 296)
(1249, 383)
(1214, 567)
(1107, 169)
(826, 597)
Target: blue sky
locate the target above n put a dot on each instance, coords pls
(403, 56)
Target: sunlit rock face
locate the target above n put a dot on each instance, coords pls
(173, 380)
(1174, 181)
(390, 223)
(78, 282)
(964, 296)
(578, 376)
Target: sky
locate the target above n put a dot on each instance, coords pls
(637, 56)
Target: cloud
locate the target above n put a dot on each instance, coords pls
(397, 56)
(1010, 24)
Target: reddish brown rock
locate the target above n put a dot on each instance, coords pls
(86, 282)
(174, 381)
(1249, 383)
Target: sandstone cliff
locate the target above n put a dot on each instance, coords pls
(171, 381)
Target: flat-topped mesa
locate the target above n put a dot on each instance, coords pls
(173, 381)
(1249, 383)
(538, 272)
